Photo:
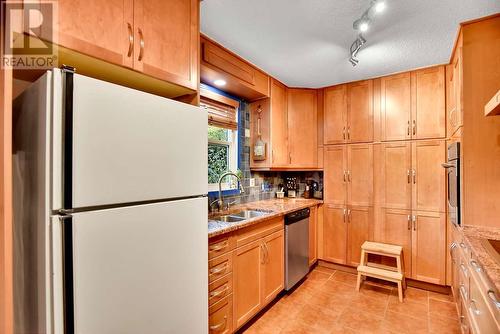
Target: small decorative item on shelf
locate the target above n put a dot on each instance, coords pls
(259, 147)
(291, 186)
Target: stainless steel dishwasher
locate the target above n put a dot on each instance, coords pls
(296, 247)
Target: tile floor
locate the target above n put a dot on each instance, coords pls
(327, 302)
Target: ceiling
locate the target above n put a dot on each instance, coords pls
(305, 43)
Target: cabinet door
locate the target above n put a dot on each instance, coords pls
(313, 235)
(360, 175)
(303, 128)
(335, 175)
(279, 125)
(395, 178)
(166, 40)
(395, 107)
(247, 284)
(429, 177)
(396, 230)
(358, 231)
(273, 272)
(335, 115)
(221, 316)
(455, 107)
(100, 29)
(428, 119)
(360, 114)
(429, 247)
(335, 234)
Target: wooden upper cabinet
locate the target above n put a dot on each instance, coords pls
(360, 112)
(273, 266)
(396, 230)
(335, 175)
(455, 99)
(101, 29)
(396, 175)
(359, 175)
(395, 102)
(166, 35)
(279, 125)
(358, 231)
(429, 242)
(429, 188)
(242, 78)
(429, 114)
(335, 233)
(302, 128)
(335, 115)
(247, 283)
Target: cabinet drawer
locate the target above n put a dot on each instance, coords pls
(480, 316)
(463, 278)
(220, 266)
(219, 289)
(220, 245)
(220, 317)
(464, 320)
(258, 231)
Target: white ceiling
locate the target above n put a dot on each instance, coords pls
(305, 43)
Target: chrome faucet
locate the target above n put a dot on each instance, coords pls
(221, 199)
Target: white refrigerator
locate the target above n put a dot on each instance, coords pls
(110, 210)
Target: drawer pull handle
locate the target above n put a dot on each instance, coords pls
(219, 246)
(464, 268)
(218, 270)
(493, 297)
(462, 290)
(462, 245)
(473, 307)
(475, 265)
(141, 44)
(220, 326)
(219, 292)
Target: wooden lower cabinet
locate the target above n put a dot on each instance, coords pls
(247, 285)
(344, 231)
(334, 233)
(423, 238)
(220, 316)
(429, 247)
(258, 276)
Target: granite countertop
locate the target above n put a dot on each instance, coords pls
(475, 236)
(276, 207)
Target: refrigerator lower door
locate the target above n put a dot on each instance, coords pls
(127, 146)
(140, 269)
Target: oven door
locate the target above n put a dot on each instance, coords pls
(453, 190)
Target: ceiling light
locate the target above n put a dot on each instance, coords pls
(363, 26)
(220, 82)
(379, 7)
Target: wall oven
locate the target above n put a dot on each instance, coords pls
(452, 166)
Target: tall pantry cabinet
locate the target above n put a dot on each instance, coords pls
(385, 182)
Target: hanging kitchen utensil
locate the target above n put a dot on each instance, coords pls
(259, 147)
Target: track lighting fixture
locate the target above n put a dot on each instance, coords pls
(362, 25)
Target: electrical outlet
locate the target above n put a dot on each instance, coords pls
(252, 182)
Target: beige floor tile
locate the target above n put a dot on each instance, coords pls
(413, 295)
(374, 291)
(346, 278)
(324, 269)
(376, 306)
(318, 276)
(441, 296)
(408, 307)
(359, 320)
(443, 309)
(439, 325)
(401, 323)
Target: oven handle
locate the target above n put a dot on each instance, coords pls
(447, 165)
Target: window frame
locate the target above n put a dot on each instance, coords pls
(233, 163)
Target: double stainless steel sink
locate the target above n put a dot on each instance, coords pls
(241, 216)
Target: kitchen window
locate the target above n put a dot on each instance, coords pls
(222, 138)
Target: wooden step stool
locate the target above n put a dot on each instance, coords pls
(387, 273)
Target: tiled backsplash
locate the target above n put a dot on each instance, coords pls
(266, 183)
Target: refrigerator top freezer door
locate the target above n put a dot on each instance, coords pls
(127, 146)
